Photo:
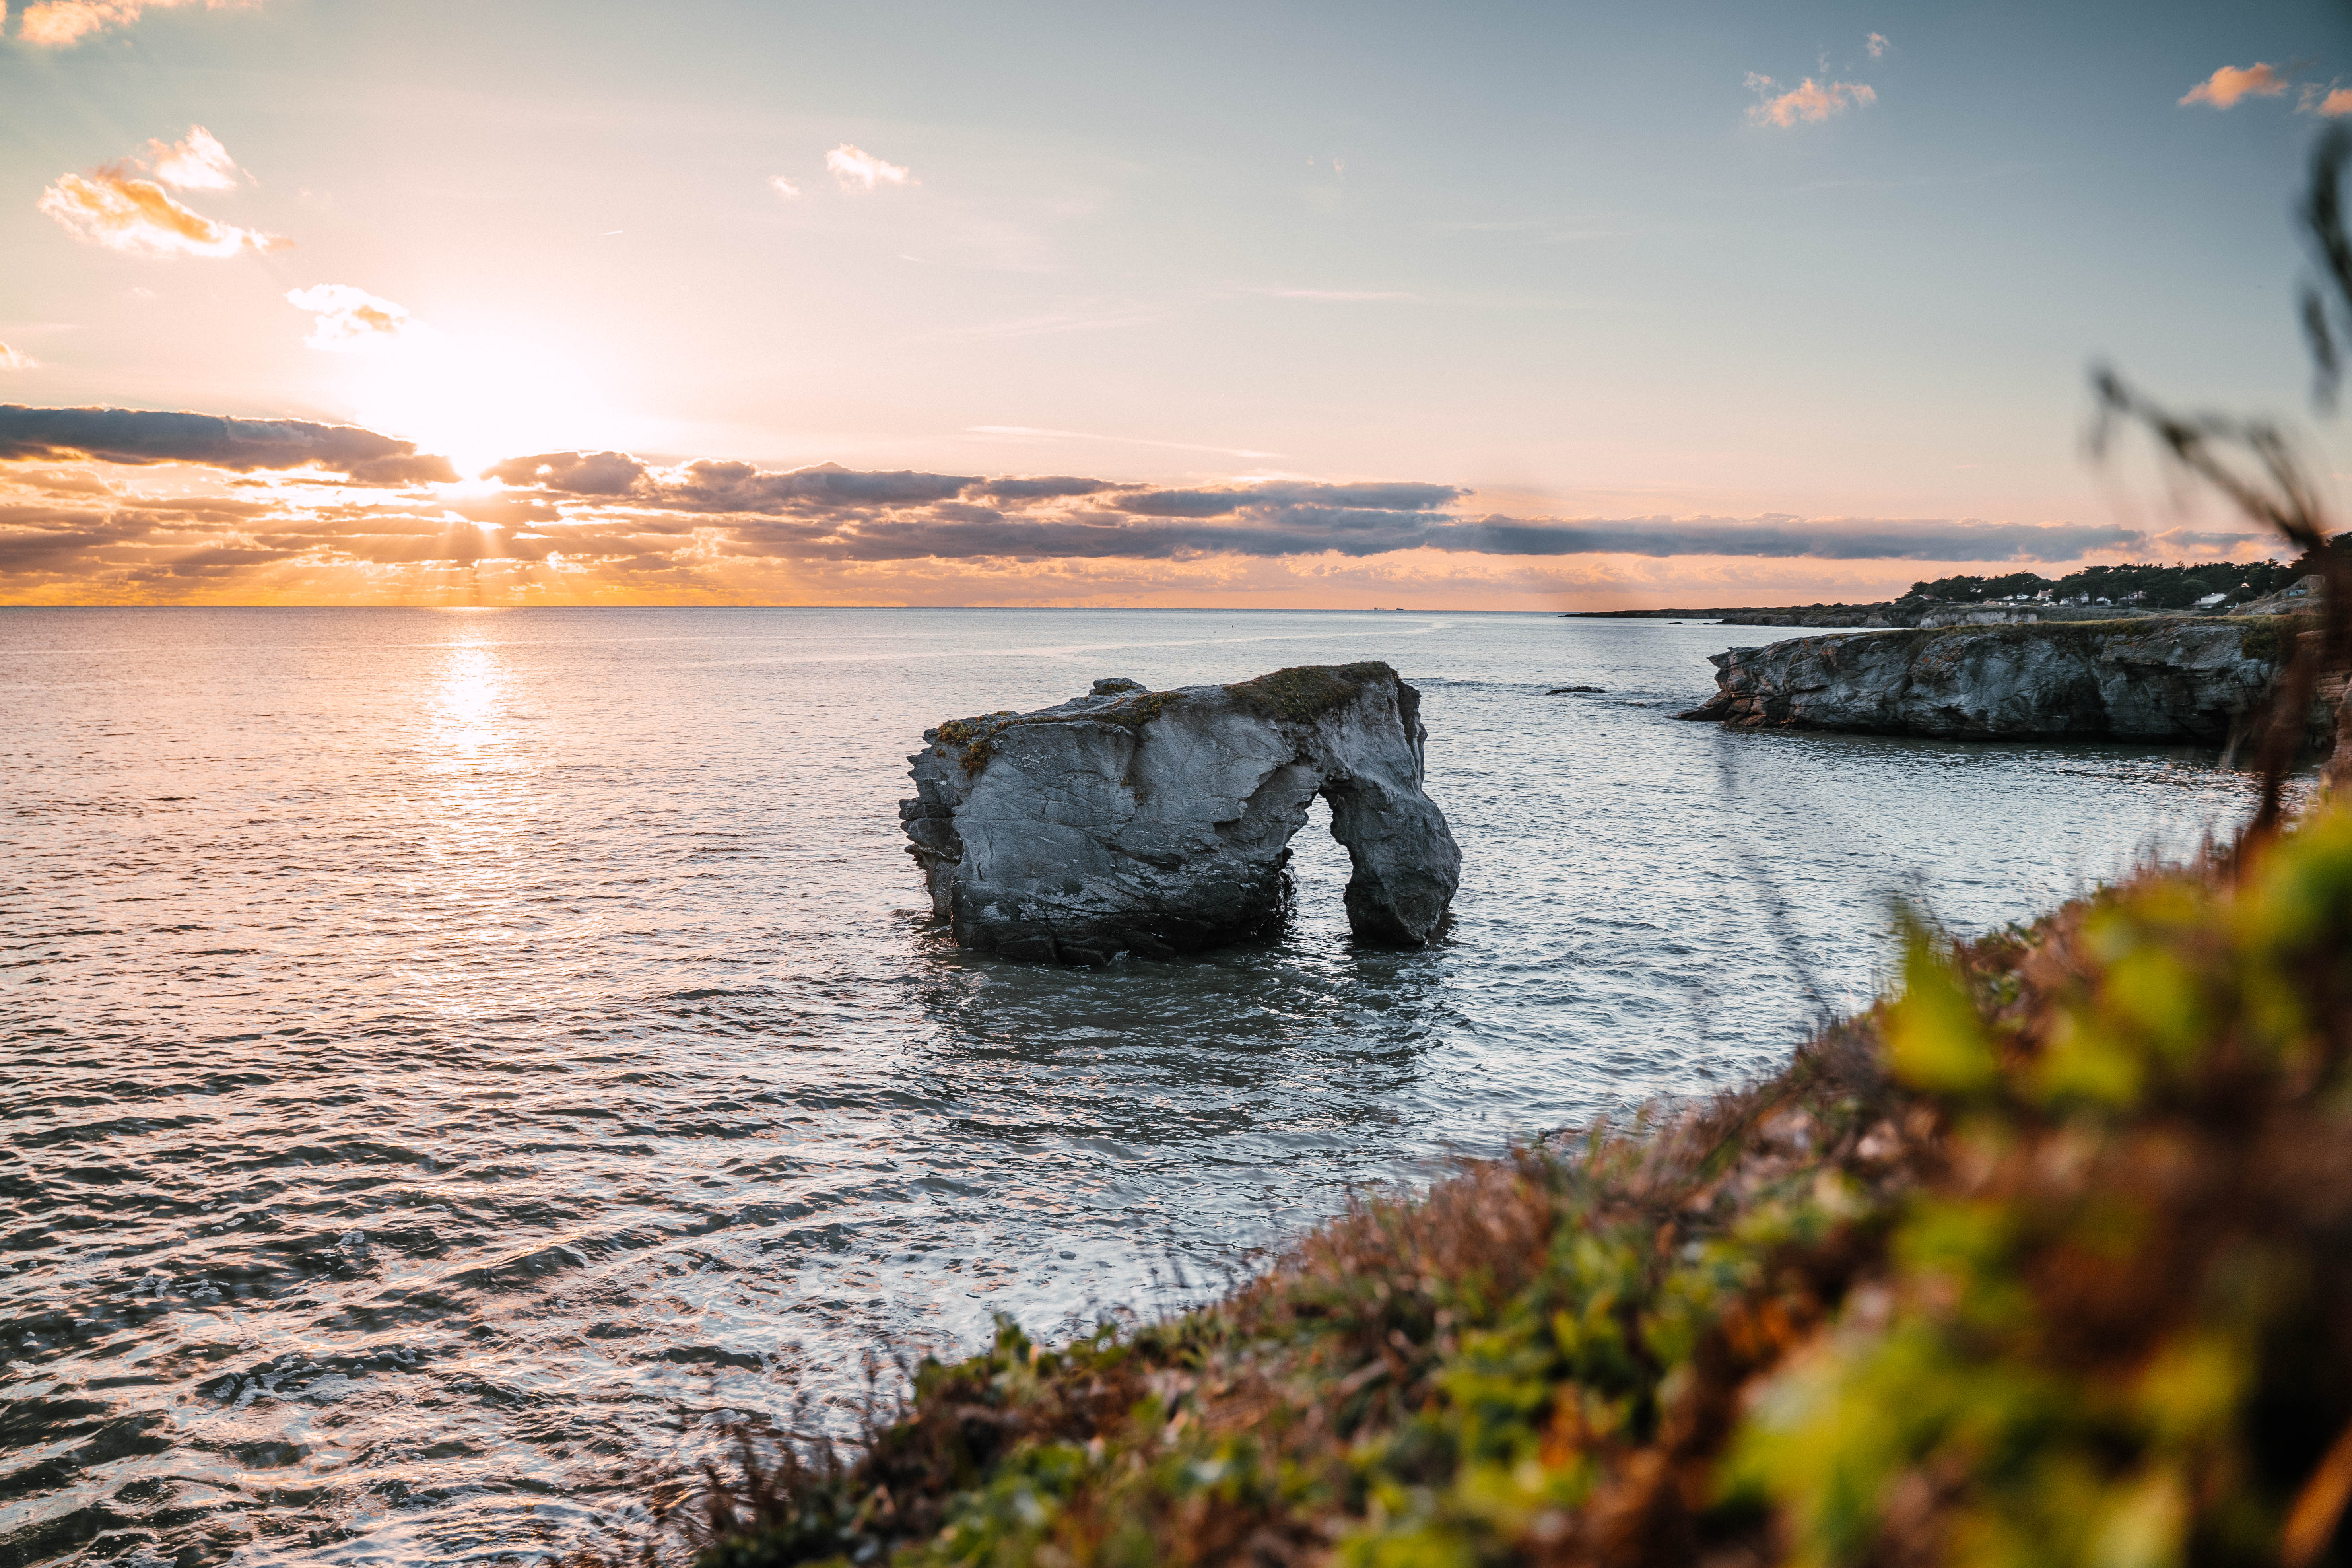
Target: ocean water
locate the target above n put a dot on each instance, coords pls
(451, 1058)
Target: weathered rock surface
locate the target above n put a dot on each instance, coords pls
(1158, 822)
(2174, 679)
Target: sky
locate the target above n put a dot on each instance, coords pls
(1467, 307)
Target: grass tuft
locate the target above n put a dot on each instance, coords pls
(1305, 693)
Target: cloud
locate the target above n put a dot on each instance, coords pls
(17, 359)
(857, 169)
(242, 446)
(783, 187)
(1879, 45)
(2226, 86)
(1824, 539)
(1805, 101)
(577, 526)
(572, 473)
(1052, 487)
(59, 24)
(113, 209)
(197, 162)
(348, 317)
(842, 513)
(2329, 103)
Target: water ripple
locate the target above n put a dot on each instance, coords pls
(444, 1047)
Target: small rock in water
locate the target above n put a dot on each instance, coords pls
(1564, 690)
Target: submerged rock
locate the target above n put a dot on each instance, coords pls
(2154, 679)
(1158, 822)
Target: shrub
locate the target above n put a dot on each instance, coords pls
(2047, 1259)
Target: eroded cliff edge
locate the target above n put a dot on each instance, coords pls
(1159, 822)
(2176, 679)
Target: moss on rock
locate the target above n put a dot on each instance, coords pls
(1301, 694)
(978, 738)
(2271, 639)
(1305, 693)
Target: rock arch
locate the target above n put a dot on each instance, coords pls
(1159, 822)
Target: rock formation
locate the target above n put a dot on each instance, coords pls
(1157, 822)
(2156, 679)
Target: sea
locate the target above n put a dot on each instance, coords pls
(455, 1062)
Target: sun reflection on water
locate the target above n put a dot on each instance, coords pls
(467, 704)
(473, 770)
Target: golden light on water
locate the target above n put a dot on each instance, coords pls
(468, 700)
(473, 774)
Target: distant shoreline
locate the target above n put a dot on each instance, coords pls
(1874, 617)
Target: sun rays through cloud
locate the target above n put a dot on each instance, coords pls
(348, 515)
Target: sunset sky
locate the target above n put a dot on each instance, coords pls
(1488, 306)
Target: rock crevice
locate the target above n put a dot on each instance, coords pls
(1159, 822)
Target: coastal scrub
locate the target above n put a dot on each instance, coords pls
(2045, 1258)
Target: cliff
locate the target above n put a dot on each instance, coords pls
(2160, 679)
(1158, 822)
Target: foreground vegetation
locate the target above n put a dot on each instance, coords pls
(2048, 1257)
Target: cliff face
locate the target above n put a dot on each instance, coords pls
(2153, 680)
(1158, 822)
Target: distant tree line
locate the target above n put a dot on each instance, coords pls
(2157, 587)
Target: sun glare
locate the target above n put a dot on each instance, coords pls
(477, 400)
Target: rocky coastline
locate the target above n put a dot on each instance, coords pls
(2158, 679)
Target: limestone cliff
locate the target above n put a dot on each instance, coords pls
(2173, 678)
(1158, 822)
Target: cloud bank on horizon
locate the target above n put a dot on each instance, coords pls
(340, 513)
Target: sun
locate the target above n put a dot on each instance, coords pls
(477, 400)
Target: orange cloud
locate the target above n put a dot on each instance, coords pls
(112, 209)
(17, 359)
(857, 169)
(2333, 104)
(607, 526)
(197, 162)
(2226, 86)
(348, 317)
(59, 24)
(1806, 102)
